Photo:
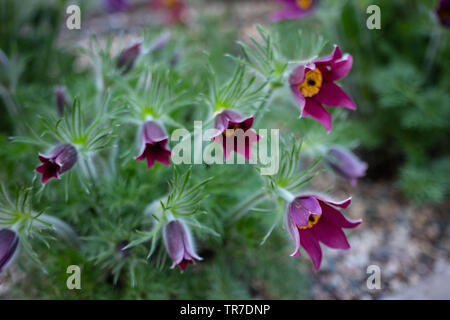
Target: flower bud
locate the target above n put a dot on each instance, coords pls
(160, 42)
(60, 99)
(128, 57)
(154, 144)
(346, 164)
(9, 241)
(179, 244)
(57, 161)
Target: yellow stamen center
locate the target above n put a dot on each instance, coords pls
(169, 3)
(304, 4)
(312, 83)
(312, 220)
(231, 130)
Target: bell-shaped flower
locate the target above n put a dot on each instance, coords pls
(294, 9)
(9, 242)
(57, 161)
(154, 146)
(235, 133)
(313, 86)
(179, 244)
(60, 99)
(312, 219)
(346, 164)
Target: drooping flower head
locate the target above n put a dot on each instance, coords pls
(235, 133)
(176, 10)
(154, 146)
(313, 86)
(346, 164)
(128, 57)
(179, 244)
(294, 9)
(9, 242)
(443, 12)
(57, 161)
(312, 219)
(116, 5)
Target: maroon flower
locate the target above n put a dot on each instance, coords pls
(313, 218)
(128, 57)
(313, 84)
(9, 242)
(228, 123)
(179, 244)
(294, 9)
(443, 12)
(57, 161)
(346, 164)
(176, 10)
(154, 144)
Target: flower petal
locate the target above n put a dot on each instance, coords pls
(312, 246)
(331, 215)
(298, 98)
(294, 232)
(332, 95)
(302, 207)
(330, 235)
(314, 110)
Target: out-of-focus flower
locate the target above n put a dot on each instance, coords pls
(346, 164)
(154, 147)
(179, 244)
(160, 42)
(294, 9)
(128, 57)
(9, 242)
(312, 85)
(176, 10)
(116, 5)
(57, 161)
(313, 218)
(443, 12)
(235, 129)
(60, 99)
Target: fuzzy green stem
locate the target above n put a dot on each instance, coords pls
(242, 208)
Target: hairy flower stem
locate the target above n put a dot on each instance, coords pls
(245, 206)
(264, 104)
(286, 195)
(60, 227)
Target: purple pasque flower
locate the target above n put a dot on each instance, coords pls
(346, 164)
(116, 5)
(128, 57)
(443, 12)
(313, 86)
(294, 9)
(154, 146)
(9, 242)
(179, 244)
(57, 161)
(235, 133)
(312, 219)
